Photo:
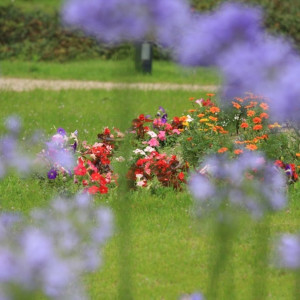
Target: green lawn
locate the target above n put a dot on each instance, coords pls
(170, 250)
(109, 71)
(46, 5)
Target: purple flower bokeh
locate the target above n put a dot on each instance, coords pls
(248, 182)
(54, 250)
(288, 251)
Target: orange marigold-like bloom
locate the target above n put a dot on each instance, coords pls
(192, 98)
(241, 100)
(256, 120)
(213, 119)
(251, 147)
(257, 127)
(214, 109)
(264, 106)
(244, 125)
(264, 115)
(201, 115)
(210, 94)
(191, 110)
(222, 150)
(183, 118)
(238, 151)
(250, 113)
(298, 154)
(236, 105)
(189, 138)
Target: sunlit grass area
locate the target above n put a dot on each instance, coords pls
(115, 71)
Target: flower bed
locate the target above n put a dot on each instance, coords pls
(165, 148)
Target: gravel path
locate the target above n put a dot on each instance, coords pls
(19, 85)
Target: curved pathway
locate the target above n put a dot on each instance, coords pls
(19, 85)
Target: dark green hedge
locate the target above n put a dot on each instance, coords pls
(36, 35)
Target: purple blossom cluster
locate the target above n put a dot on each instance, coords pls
(11, 155)
(248, 182)
(51, 252)
(231, 38)
(288, 251)
(59, 154)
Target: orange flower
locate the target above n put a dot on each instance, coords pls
(275, 125)
(189, 138)
(256, 120)
(257, 127)
(222, 150)
(236, 105)
(183, 118)
(210, 94)
(201, 115)
(298, 154)
(214, 109)
(192, 98)
(213, 119)
(191, 110)
(239, 99)
(264, 106)
(264, 115)
(251, 147)
(250, 113)
(238, 151)
(244, 125)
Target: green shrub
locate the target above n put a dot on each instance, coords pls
(36, 35)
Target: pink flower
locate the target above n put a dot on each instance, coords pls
(162, 135)
(168, 126)
(153, 142)
(176, 131)
(199, 101)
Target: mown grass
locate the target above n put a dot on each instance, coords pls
(170, 249)
(46, 5)
(106, 71)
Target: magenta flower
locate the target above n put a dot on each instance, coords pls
(162, 135)
(153, 142)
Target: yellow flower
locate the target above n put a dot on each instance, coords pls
(203, 120)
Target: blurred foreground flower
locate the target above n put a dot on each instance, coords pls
(51, 253)
(288, 251)
(11, 154)
(248, 182)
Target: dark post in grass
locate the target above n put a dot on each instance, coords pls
(143, 57)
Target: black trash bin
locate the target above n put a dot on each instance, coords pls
(143, 57)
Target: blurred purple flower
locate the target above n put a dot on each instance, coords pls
(58, 246)
(61, 131)
(288, 251)
(221, 180)
(52, 174)
(13, 124)
(213, 34)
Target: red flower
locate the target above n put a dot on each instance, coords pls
(93, 189)
(103, 189)
(106, 131)
(80, 170)
(142, 117)
(181, 176)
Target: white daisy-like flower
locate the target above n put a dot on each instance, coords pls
(152, 134)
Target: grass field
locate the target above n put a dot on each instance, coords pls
(46, 5)
(170, 250)
(109, 71)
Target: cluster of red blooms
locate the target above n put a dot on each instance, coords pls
(166, 169)
(289, 169)
(93, 166)
(138, 126)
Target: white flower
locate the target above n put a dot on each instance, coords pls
(149, 149)
(189, 118)
(120, 159)
(139, 151)
(152, 134)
